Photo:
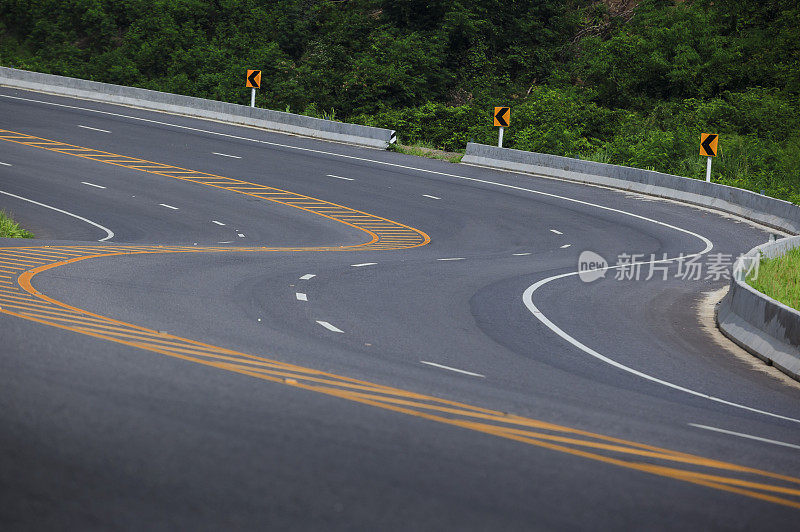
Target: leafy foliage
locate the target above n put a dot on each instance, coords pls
(11, 229)
(620, 81)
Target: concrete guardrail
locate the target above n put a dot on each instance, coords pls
(198, 107)
(771, 212)
(763, 326)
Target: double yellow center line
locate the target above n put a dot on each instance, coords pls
(384, 234)
(18, 297)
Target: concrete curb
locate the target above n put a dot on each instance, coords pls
(306, 126)
(771, 212)
(763, 326)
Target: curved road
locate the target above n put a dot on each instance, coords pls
(282, 332)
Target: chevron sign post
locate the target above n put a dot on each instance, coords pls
(502, 118)
(708, 147)
(253, 82)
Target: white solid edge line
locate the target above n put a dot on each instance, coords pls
(109, 232)
(5, 164)
(169, 206)
(95, 129)
(743, 435)
(556, 231)
(431, 197)
(363, 264)
(308, 276)
(301, 296)
(527, 299)
(329, 326)
(452, 369)
(217, 222)
(225, 155)
(340, 177)
(536, 313)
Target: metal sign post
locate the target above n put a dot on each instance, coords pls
(502, 118)
(254, 82)
(708, 147)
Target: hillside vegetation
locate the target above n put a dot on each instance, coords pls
(617, 81)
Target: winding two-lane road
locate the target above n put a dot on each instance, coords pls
(283, 332)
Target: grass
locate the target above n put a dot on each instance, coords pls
(11, 229)
(431, 153)
(779, 278)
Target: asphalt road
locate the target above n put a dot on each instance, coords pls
(480, 403)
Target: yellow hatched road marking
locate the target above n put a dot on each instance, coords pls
(385, 235)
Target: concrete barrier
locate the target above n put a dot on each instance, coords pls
(771, 212)
(198, 107)
(763, 326)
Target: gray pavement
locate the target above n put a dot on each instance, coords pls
(99, 435)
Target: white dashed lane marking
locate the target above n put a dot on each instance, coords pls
(301, 296)
(95, 129)
(429, 196)
(453, 258)
(748, 436)
(364, 264)
(92, 184)
(4, 164)
(565, 246)
(340, 177)
(330, 327)
(452, 369)
(168, 206)
(241, 235)
(520, 254)
(217, 222)
(308, 276)
(556, 231)
(226, 155)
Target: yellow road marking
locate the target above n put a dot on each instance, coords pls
(32, 305)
